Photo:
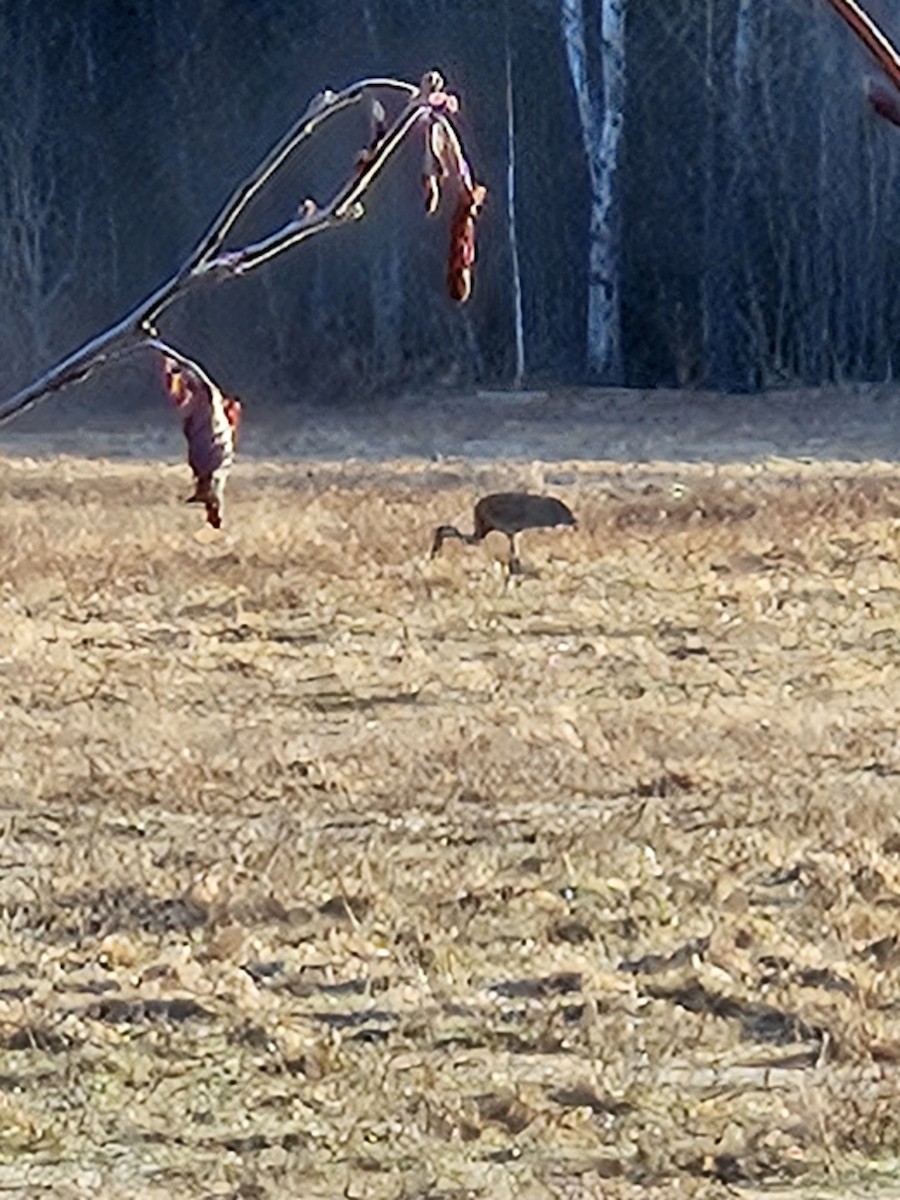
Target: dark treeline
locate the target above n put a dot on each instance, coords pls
(753, 237)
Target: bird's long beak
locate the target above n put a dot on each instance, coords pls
(437, 543)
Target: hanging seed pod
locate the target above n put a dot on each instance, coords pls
(210, 422)
(462, 242)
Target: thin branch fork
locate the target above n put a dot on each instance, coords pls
(346, 206)
(325, 104)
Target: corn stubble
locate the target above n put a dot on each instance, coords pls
(329, 869)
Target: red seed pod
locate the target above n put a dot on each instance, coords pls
(209, 422)
(462, 242)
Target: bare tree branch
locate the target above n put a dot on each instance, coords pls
(873, 38)
(346, 206)
(210, 419)
(207, 263)
(322, 106)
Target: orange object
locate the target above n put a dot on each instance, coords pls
(462, 241)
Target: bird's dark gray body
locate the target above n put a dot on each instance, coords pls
(509, 513)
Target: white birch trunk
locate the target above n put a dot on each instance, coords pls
(601, 110)
(743, 45)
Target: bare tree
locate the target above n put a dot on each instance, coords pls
(38, 258)
(600, 95)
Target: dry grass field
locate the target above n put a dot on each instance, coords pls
(327, 870)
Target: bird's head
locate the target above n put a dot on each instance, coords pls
(442, 532)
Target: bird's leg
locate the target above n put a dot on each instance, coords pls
(515, 567)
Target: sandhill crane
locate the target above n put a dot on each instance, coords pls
(509, 513)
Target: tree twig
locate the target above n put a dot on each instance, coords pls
(322, 106)
(346, 206)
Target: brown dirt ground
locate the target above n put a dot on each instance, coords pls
(330, 870)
